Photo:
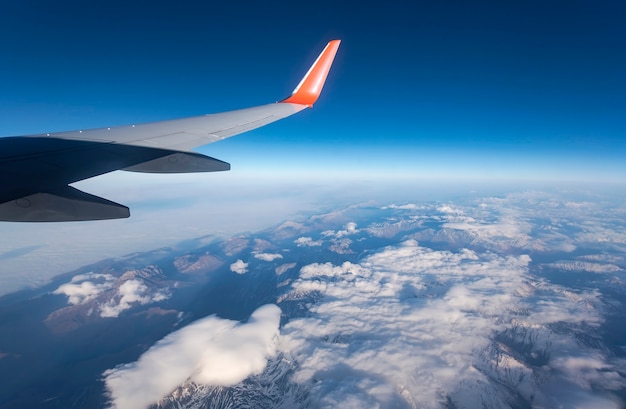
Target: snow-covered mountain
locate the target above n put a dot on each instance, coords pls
(490, 302)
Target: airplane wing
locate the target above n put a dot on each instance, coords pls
(36, 170)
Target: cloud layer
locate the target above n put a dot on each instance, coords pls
(414, 327)
(210, 351)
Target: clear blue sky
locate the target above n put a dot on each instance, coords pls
(528, 88)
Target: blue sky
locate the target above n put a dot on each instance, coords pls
(420, 93)
(528, 89)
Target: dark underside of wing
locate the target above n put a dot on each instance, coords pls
(36, 174)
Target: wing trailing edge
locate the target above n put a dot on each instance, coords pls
(65, 204)
(180, 162)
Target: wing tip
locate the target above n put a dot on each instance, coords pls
(310, 87)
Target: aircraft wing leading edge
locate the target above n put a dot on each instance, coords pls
(38, 169)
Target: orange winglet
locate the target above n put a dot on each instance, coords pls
(309, 89)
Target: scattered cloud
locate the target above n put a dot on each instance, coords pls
(210, 351)
(85, 287)
(283, 268)
(349, 228)
(341, 246)
(569, 265)
(339, 243)
(451, 209)
(239, 267)
(408, 206)
(307, 242)
(131, 291)
(606, 258)
(267, 256)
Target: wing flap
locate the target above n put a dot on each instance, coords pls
(61, 205)
(181, 162)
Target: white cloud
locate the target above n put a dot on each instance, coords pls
(239, 267)
(586, 266)
(449, 209)
(394, 226)
(409, 206)
(341, 246)
(498, 224)
(307, 242)
(411, 326)
(283, 268)
(349, 228)
(267, 256)
(606, 258)
(131, 291)
(85, 287)
(210, 351)
(588, 370)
